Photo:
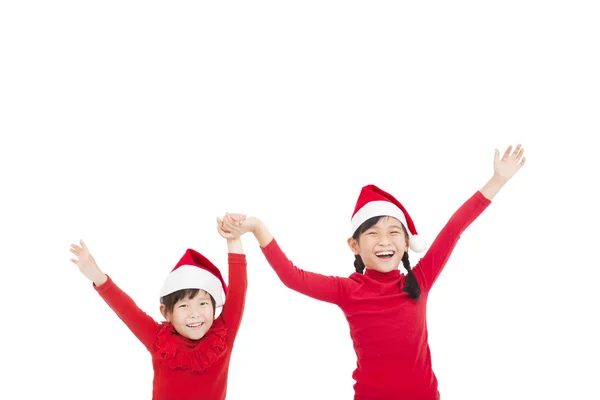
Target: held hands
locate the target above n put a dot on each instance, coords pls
(86, 263)
(234, 225)
(510, 163)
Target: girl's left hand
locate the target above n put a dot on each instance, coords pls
(510, 162)
(224, 226)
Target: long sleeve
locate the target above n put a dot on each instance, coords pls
(140, 323)
(430, 266)
(331, 289)
(233, 309)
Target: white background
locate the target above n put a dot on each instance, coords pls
(134, 124)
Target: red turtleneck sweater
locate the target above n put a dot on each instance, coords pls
(187, 369)
(388, 328)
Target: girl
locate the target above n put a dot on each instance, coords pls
(191, 350)
(386, 310)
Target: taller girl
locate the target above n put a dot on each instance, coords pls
(386, 310)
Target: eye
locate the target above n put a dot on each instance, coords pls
(182, 305)
(204, 303)
(395, 232)
(371, 233)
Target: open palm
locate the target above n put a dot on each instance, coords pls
(510, 163)
(86, 263)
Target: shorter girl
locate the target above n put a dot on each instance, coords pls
(191, 350)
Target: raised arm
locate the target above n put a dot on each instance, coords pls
(504, 169)
(233, 309)
(140, 324)
(331, 289)
(430, 266)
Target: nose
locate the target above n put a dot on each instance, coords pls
(384, 240)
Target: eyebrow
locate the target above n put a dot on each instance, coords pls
(387, 227)
(203, 295)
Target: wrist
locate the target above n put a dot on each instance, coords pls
(100, 280)
(254, 224)
(234, 245)
(499, 179)
(234, 240)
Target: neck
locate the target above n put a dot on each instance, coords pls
(373, 273)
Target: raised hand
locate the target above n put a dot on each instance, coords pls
(86, 263)
(224, 226)
(234, 225)
(510, 163)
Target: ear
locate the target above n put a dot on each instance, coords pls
(353, 244)
(163, 311)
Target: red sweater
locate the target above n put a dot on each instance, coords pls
(388, 328)
(186, 369)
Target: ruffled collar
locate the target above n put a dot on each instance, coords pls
(393, 275)
(180, 352)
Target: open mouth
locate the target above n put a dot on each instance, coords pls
(385, 255)
(196, 325)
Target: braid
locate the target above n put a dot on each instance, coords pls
(412, 285)
(359, 265)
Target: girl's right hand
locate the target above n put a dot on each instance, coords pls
(86, 263)
(235, 225)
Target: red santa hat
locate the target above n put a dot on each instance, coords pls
(374, 202)
(194, 271)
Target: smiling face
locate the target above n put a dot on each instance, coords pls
(192, 315)
(380, 245)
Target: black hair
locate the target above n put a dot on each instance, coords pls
(412, 285)
(170, 300)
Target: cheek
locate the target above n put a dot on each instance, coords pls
(366, 242)
(179, 315)
(209, 313)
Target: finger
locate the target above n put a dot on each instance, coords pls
(83, 245)
(228, 223)
(517, 150)
(74, 262)
(76, 252)
(520, 154)
(223, 233)
(507, 153)
(522, 162)
(496, 155)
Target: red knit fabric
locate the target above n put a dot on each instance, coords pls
(387, 327)
(187, 369)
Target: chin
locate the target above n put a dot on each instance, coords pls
(196, 335)
(390, 267)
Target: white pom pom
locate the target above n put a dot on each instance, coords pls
(417, 243)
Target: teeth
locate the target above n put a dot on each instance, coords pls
(385, 253)
(195, 325)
